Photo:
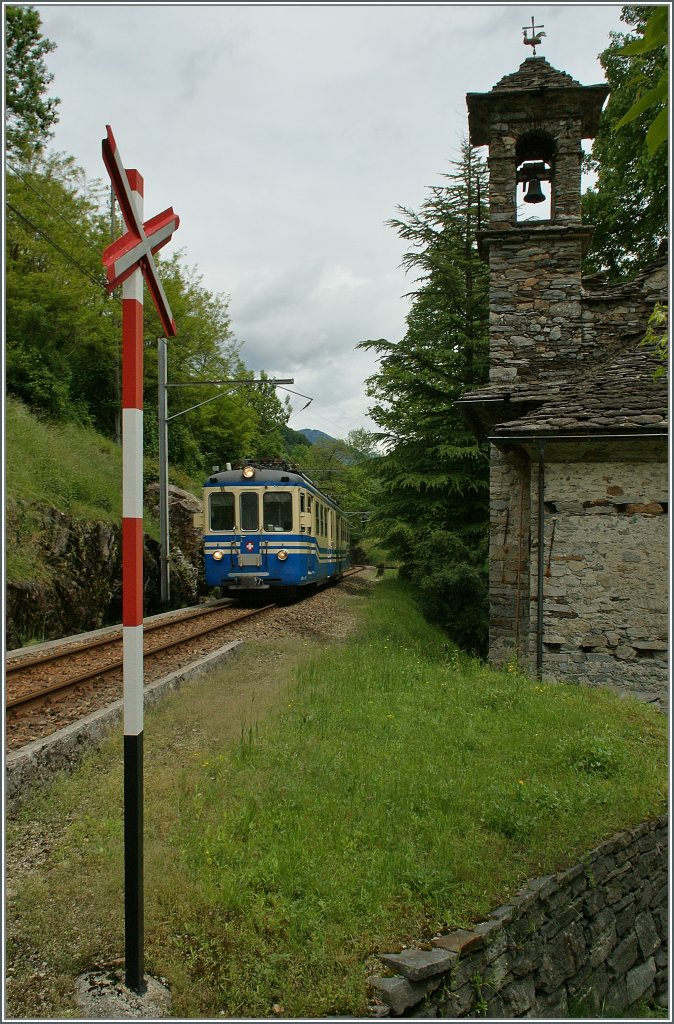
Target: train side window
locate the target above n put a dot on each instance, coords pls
(302, 500)
(221, 506)
(277, 514)
(249, 510)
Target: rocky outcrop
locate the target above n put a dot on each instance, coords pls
(83, 590)
(186, 542)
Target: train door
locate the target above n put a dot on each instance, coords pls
(308, 532)
(250, 551)
(331, 541)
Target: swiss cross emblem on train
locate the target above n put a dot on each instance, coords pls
(250, 545)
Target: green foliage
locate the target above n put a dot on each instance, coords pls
(655, 38)
(63, 335)
(61, 328)
(29, 113)
(628, 206)
(432, 509)
(65, 466)
(345, 470)
(657, 338)
(452, 578)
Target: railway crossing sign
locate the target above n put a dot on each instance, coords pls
(135, 249)
(128, 261)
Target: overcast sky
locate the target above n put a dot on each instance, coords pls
(285, 136)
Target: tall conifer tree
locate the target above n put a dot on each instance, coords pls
(433, 508)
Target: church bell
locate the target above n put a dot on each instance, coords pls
(534, 192)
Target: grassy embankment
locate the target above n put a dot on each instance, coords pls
(67, 467)
(393, 787)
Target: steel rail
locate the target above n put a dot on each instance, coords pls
(18, 663)
(116, 665)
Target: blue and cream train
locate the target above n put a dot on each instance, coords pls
(267, 526)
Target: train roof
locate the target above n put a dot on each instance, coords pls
(267, 475)
(262, 476)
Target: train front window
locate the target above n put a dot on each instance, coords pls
(249, 511)
(277, 514)
(221, 511)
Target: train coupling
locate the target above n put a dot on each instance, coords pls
(247, 582)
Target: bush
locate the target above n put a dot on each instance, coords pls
(453, 585)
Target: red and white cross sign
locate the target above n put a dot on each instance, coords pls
(135, 249)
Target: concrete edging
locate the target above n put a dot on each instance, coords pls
(37, 762)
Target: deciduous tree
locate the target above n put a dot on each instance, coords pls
(628, 206)
(29, 112)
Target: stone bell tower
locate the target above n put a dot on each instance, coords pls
(533, 122)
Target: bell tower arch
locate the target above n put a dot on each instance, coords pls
(533, 122)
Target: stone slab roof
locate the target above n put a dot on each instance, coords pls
(535, 80)
(534, 73)
(618, 396)
(651, 280)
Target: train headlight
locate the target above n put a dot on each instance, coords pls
(248, 472)
(281, 555)
(218, 555)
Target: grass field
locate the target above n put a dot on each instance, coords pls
(351, 799)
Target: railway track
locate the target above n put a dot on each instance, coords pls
(64, 668)
(47, 693)
(53, 689)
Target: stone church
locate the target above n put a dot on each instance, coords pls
(577, 424)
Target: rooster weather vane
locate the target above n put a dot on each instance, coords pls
(536, 35)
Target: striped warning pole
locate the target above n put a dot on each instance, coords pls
(129, 262)
(132, 605)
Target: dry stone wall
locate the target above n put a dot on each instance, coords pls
(590, 940)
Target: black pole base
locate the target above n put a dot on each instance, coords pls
(133, 863)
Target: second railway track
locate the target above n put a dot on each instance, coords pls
(45, 692)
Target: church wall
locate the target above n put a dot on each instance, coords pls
(509, 540)
(605, 576)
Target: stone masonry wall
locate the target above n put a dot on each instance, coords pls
(535, 317)
(605, 578)
(611, 312)
(564, 132)
(509, 543)
(587, 941)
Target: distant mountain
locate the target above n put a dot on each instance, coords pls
(315, 435)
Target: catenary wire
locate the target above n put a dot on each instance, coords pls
(51, 206)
